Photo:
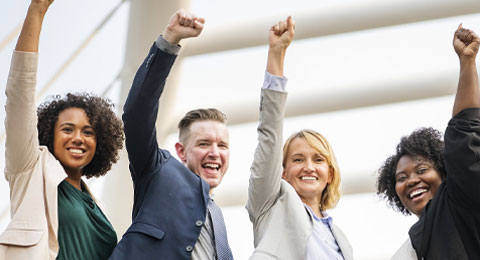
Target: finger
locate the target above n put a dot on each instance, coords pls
(276, 29)
(475, 37)
(188, 20)
(181, 19)
(290, 25)
(198, 25)
(201, 20)
(194, 18)
(457, 32)
(283, 26)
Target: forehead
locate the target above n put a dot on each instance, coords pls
(408, 161)
(73, 115)
(209, 130)
(300, 146)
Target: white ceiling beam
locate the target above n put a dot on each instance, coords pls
(334, 18)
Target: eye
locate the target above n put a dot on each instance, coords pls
(67, 130)
(401, 178)
(89, 132)
(422, 170)
(297, 160)
(203, 144)
(223, 146)
(319, 159)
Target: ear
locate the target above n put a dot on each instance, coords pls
(180, 148)
(284, 175)
(330, 175)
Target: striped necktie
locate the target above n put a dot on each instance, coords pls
(220, 232)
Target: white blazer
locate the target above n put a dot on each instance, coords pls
(405, 252)
(281, 223)
(32, 171)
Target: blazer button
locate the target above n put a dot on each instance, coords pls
(189, 248)
(92, 205)
(199, 223)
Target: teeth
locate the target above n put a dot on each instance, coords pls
(212, 165)
(308, 178)
(417, 192)
(77, 151)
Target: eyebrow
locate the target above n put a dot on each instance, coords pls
(421, 163)
(72, 124)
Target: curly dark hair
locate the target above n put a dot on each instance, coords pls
(108, 127)
(424, 142)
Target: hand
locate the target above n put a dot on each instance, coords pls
(183, 25)
(281, 34)
(41, 5)
(465, 43)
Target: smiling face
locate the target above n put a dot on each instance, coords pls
(306, 170)
(417, 181)
(74, 140)
(206, 151)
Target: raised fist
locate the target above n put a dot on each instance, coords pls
(183, 25)
(281, 34)
(466, 43)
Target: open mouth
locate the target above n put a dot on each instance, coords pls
(211, 166)
(417, 193)
(76, 151)
(308, 178)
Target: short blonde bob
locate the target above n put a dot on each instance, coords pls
(331, 193)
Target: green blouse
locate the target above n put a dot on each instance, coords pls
(83, 231)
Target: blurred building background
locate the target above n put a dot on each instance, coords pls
(361, 72)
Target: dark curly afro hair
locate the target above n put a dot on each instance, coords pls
(108, 128)
(424, 142)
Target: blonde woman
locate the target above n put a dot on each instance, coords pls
(287, 199)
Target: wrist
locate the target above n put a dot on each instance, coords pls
(171, 37)
(38, 9)
(277, 50)
(467, 60)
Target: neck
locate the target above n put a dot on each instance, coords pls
(314, 204)
(75, 179)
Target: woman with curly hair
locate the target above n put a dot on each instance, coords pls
(439, 181)
(54, 214)
(288, 195)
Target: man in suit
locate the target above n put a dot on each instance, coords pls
(173, 214)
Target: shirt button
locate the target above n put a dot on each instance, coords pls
(189, 248)
(199, 223)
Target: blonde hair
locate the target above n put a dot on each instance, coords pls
(331, 193)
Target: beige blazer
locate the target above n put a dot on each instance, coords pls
(32, 171)
(405, 252)
(281, 224)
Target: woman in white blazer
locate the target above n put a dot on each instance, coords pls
(289, 193)
(54, 215)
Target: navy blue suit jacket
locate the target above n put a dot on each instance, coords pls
(170, 201)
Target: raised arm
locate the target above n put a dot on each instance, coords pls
(30, 34)
(21, 118)
(266, 169)
(462, 137)
(141, 106)
(466, 44)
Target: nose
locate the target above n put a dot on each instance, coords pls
(214, 151)
(413, 180)
(308, 166)
(77, 137)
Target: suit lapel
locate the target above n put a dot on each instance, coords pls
(342, 243)
(53, 175)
